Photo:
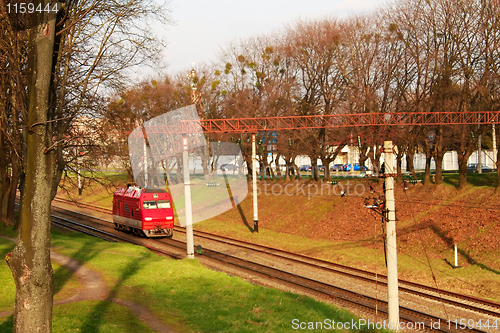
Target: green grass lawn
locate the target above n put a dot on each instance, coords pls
(185, 295)
(8, 289)
(287, 222)
(485, 179)
(97, 192)
(84, 317)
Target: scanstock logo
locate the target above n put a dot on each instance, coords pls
(218, 180)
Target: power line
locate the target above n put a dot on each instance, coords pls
(452, 205)
(451, 276)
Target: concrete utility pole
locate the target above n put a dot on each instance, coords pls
(391, 249)
(187, 199)
(349, 152)
(494, 145)
(479, 154)
(254, 182)
(145, 148)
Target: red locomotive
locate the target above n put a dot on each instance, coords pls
(144, 212)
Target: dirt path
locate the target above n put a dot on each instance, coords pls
(94, 289)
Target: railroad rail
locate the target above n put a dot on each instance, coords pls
(84, 205)
(329, 292)
(341, 296)
(475, 304)
(488, 307)
(96, 232)
(71, 225)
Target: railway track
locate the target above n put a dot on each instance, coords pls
(448, 297)
(328, 291)
(84, 205)
(340, 296)
(96, 232)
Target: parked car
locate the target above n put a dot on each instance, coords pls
(228, 167)
(321, 168)
(357, 167)
(473, 168)
(337, 167)
(305, 168)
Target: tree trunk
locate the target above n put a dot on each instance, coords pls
(463, 157)
(4, 200)
(130, 175)
(4, 184)
(427, 175)
(249, 163)
(14, 181)
(327, 172)
(290, 171)
(438, 158)
(498, 169)
(205, 157)
(399, 160)
(240, 166)
(178, 174)
(462, 171)
(277, 163)
(439, 152)
(30, 259)
(326, 162)
(266, 169)
(466, 149)
(314, 168)
(374, 155)
(410, 154)
(363, 153)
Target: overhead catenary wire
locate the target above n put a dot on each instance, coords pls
(452, 205)
(427, 264)
(428, 260)
(419, 235)
(451, 276)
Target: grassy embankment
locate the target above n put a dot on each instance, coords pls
(326, 226)
(185, 295)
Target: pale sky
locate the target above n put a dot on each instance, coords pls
(203, 27)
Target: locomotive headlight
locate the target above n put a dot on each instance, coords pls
(148, 218)
(169, 217)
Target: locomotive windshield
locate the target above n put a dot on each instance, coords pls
(149, 204)
(163, 204)
(156, 204)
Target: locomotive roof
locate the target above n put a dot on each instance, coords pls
(135, 192)
(154, 190)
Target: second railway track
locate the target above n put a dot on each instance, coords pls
(482, 308)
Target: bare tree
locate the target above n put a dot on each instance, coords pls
(30, 259)
(60, 62)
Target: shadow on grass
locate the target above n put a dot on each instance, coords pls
(476, 179)
(244, 219)
(449, 263)
(253, 312)
(7, 326)
(85, 254)
(464, 254)
(96, 317)
(242, 214)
